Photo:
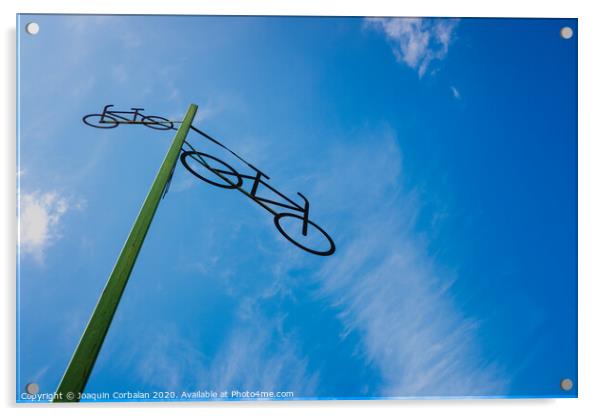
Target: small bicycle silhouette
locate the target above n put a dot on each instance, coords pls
(111, 119)
(229, 178)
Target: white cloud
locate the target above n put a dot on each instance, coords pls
(388, 287)
(255, 356)
(257, 352)
(416, 41)
(455, 92)
(39, 218)
(260, 356)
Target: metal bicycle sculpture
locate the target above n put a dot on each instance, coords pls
(226, 176)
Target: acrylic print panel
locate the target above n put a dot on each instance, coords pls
(291, 208)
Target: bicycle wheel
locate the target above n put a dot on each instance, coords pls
(320, 252)
(157, 123)
(94, 120)
(220, 173)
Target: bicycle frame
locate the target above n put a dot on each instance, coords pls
(257, 181)
(115, 114)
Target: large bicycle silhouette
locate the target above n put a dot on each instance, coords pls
(312, 238)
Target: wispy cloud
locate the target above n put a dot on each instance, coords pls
(39, 221)
(257, 352)
(387, 286)
(259, 355)
(255, 356)
(416, 41)
(455, 92)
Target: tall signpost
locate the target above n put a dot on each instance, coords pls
(82, 362)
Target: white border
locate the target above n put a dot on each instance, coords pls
(590, 201)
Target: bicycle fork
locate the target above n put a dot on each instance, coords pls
(104, 113)
(305, 214)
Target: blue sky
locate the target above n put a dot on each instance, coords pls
(440, 155)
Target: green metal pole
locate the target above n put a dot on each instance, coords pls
(83, 359)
